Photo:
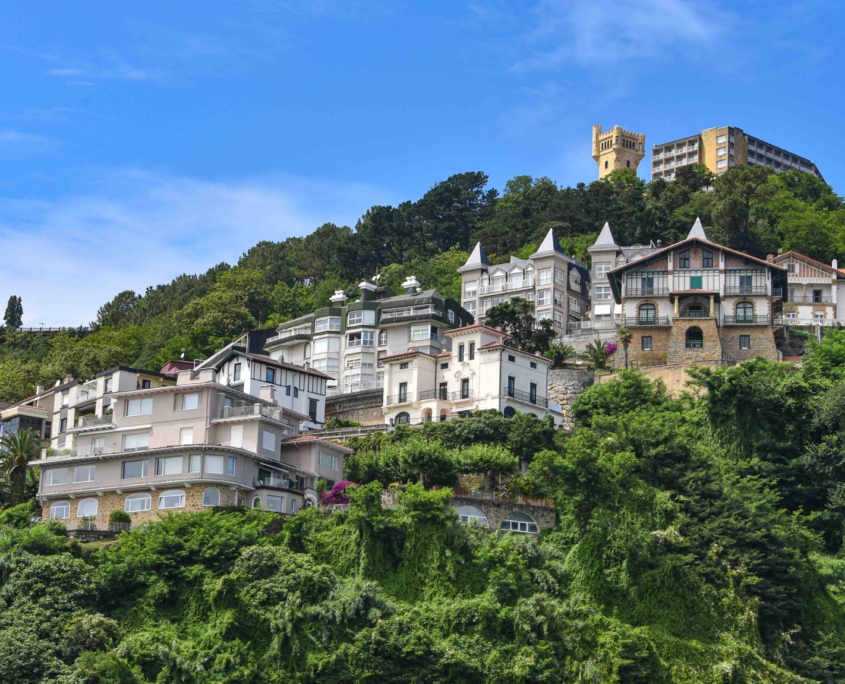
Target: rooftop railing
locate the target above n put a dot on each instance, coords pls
(392, 314)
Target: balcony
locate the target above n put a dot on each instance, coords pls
(85, 393)
(401, 398)
(507, 287)
(746, 320)
(83, 422)
(646, 291)
(426, 395)
(360, 342)
(286, 338)
(746, 290)
(254, 410)
(811, 299)
(276, 482)
(655, 321)
(526, 397)
(409, 313)
(806, 322)
(462, 395)
(693, 313)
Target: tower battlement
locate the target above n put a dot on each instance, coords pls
(617, 148)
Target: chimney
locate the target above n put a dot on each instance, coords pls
(338, 299)
(835, 264)
(40, 388)
(368, 291)
(411, 285)
(770, 258)
(660, 243)
(266, 392)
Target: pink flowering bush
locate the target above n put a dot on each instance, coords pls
(336, 494)
(610, 348)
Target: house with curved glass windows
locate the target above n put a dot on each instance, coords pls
(695, 301)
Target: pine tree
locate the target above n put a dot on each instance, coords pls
(14, 313)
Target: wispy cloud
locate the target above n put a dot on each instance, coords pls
(18, 145)
(110, 66)
(133, 228)
(594, 34)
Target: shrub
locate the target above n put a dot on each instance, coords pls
(119, 516)
(337, 493)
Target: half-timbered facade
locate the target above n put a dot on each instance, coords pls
(815, 291)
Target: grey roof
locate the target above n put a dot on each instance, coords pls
(637, 251)
(477, 259)
(550, 245)
(414, 295)
(697, 231)
(507, 266)
(605, 238)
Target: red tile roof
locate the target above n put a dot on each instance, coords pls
(781, 257)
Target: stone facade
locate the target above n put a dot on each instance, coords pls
(762, 343)
(497, 511)
(363, 407)
(617, 149)
(711, 350)
(564, 387)
(111, 501)
(640, 358)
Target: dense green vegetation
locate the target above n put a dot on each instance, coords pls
(699, 539)
(749, 208)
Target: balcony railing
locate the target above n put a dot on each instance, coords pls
(434, 394)
(401, 398)
(588, 327)
(646, 291)
(277, 482)
(291, 336)
(695, 313)
(507, 287)
(762, 319)
(390, 314)
(93, 421)
(462, 395)
(526, 397)
(745, 290)
(810, 299)
(360, 342)
(777, 292)
(655, 321)
(694, 344)
(806, 322)
(254, 410)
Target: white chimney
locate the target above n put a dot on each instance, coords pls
(338, 298)
(834, 263)
(411, 285)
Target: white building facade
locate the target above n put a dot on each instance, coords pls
(816, 291)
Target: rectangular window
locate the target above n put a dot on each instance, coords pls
(792, 268)
(186, 436)
(544, 297)
(312, 409)
(355, 318)
(601, 271)
(745, 341)
(170, 465)
(98, 445)
(544, 276)
(275, 503)
(511, 386)
(471, 307)
(532, 392)
(62, 425)
(328, 460)
(213, 465)
(171, 500)
(560, 277)
(136, 442)
(190, 402)
(695, 282)
(443, 390)
(236, 373)
(683, 259)
(465, 388)
(230, 466)
(83, 473)
(327, 323)
(55, 476)
(268, 441)
(720, 139)
(706, 259)
(65, 398)
(646, 342)
(460, 352)
(471, 351)
(451, 316)
(108, 385)
(236, 436)
(139, 407)
(471, 288)
(270, 375)
(721, 152)
(602, 292)
(544, 315)
(558, 298)
(559, 320)
(532, 364)
(511, 358)
(194, 463)
(721, 164)
(421, 332)
(444, 366)
(403, 392)
(296, 392)
(146, 384)
(133, 469)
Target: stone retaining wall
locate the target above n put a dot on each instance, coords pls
(363, 407)
(565, 385)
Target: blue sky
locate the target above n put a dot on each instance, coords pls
(143, 140)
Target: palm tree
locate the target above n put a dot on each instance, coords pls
(625, 336)
(559, 353)
(17, 449)
(597, 354)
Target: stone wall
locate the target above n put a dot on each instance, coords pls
(363, 407)
(564, 387)
(674, 376)
(680, 353)
(762, 342)
(497, 511)
(111, 501)
(637, 357)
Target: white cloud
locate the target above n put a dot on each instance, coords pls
(132, 229)
(595, 34)
(18, 145)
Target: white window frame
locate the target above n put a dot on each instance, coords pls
(471, 288)
(268, 441)
(544, 297)
(195, 463)
(544, 276)
(330, 458)
(211, 459)
(137, 441)
(54, 510)
(603, 293)
(602, 269)
(84, 471)
(330, 323)
(143, 498)
(173, 494)
(205, 492)
(169, 465)
(52, 479)
(80, 514)
(186, 436)
(190, 402)
(144, 469)
(139, 407)
(271, 504)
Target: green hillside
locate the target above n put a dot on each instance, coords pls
(749, 208)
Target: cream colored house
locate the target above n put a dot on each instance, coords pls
(480, 372)
(816, 291)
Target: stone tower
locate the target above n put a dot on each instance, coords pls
(617, 149)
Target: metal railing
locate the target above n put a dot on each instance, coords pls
(360, 342)
(526, 397)
(745, 320)
(254, 410)
(390, 314)
(507, 287)
(645, 291)
(695, 313)
(807, 322)
(278, 482)
(810, 299)
(587, 327)
(462, 395)
(745, 290)
(434, 394)
(285, 334)
(694, 344)
(656, 320)
(394, 399)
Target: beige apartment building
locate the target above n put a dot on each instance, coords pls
(617, 149)
(719, 149)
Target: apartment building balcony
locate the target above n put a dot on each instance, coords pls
(507, 287)
(746, 290)
(398, 399)
(651, 322)
(526, 397)
(360, 343)
(806, 322)
(646, 291)
(811, 299)
(276, 415)
(762, 319)
(86, 393)
(276, 482)
(589, 327)
(401, 315)
(695, 313)
(443, 395)
(92, 422)
(352, 387)
(285, 339)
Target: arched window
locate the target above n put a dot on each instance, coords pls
(471, 514)
(745, 312)
(60, 510)
(647, 313)
(520, 522)
(307, 353)
(211, 497)
(310, 503)
(403, 419)
(509, 412)
(427, 415)
(175, 498)
(256, 502)
(695, 338)
(138, 502)
(382, 338)
(87, 508)
(443, 415)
